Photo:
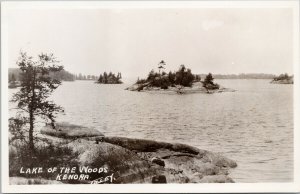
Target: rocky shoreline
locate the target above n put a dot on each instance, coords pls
(197, 87)
(285, 81)
(137, 160)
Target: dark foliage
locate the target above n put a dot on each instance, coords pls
(209, 84)
(110, 78)
(141, 81)
(183, 77)
(46, 155)
(36, 86)
(161, 65)
(282, 77)
(208, 79)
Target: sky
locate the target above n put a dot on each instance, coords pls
(134, 41)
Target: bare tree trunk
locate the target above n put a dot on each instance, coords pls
(31, 144)
(31, 111)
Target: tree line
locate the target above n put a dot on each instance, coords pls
(80, 76)
(63, 75)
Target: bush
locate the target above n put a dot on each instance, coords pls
(45, 156)
(152, 76)
(164, 86)
(171, 77)
(16, 128)
(208, 79)
(184, 77)
(209, 84)
(141, 81)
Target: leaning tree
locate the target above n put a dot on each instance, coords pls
(36, 87)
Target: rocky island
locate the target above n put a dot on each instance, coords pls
(128, 160)
(181, 82)
(110, 78)
(283, 79)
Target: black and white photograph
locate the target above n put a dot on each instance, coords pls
(164, 96)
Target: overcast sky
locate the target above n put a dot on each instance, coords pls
(133, 41)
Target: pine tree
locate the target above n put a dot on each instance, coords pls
(36, 87)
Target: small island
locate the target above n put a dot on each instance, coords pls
(283, 79)
(182, 81)
(110, 78)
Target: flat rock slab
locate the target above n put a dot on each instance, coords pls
(66, 130)
(138, 160)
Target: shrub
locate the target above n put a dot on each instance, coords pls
(141, 81)
(209, 84)
(171, 77)
(164, 86)
(208, 79)
(45, 156)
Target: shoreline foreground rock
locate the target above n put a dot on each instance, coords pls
(137, 160)
(197, 87)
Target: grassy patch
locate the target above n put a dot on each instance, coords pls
(45, 156)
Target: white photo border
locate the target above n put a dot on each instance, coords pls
(142, 188)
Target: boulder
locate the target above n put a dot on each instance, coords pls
(159, 179)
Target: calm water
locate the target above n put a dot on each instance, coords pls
(253, 126)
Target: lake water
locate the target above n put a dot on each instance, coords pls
(253, 126)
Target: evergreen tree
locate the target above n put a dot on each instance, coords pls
(161, 65)
(208, 79)
(105, 77)
(100, 80)
(36, 87)
(171, 77)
